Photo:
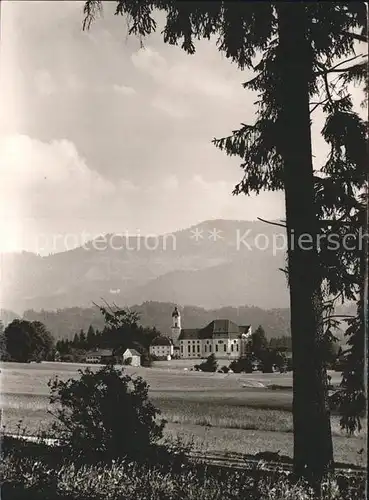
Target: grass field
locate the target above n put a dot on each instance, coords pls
(218, 412)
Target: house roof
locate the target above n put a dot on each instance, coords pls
(161, 340)
(218, 328)
(100, 352)
(133, 352)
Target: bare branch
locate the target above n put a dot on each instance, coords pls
(271, 223)
(335, 69)
(317, 104)
(356, 36)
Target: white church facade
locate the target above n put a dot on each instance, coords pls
(220, 337)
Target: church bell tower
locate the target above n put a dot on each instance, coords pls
(176, 325)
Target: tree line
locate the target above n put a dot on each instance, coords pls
(25, 341)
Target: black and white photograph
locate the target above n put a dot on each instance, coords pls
(184, 250)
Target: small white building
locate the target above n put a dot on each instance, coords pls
(132, 355)
(162, 348)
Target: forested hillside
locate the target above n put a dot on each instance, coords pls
(64, 323)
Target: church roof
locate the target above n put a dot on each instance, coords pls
(218, 328)
(190, 333)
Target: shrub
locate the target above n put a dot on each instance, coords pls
(242, 365)
(128, 361)
(146, 360)
(267, 359)
(210, 365)
(104, 414)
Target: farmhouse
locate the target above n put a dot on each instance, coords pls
(162, 348)
(220, 337)
(132, 355)
(100, 356)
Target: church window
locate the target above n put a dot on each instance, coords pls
(216, 347)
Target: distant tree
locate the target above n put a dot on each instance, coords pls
(91, 337)
(27, 341)
(82, 344)
(279, 359)
(122, 330)
(105, 415)
(281, 343)
(210, 365)
(3, 353)
(259, 342)
(267, 359)
(18, 340)
(42, 342)
(64, 346)
(75, 341)
(146, 359)
(242, 365)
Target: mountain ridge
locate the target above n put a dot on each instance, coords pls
(212, 264)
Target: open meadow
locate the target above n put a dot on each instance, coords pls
(244, 413)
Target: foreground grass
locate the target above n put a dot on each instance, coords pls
(25, 478)
(213, 425)
(214, 439)
(218, 413)
(227, 413)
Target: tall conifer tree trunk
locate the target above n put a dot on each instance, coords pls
(313, 452)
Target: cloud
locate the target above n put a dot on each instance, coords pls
(45, 83)
(171, 107)
(185, 76)
(48, 189)
(124, 90)
(150, 61)
(74, 83)
(46, 186)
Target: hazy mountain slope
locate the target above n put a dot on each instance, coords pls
(215, 263)
(7, 316)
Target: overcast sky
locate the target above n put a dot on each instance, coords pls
(99, 135)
